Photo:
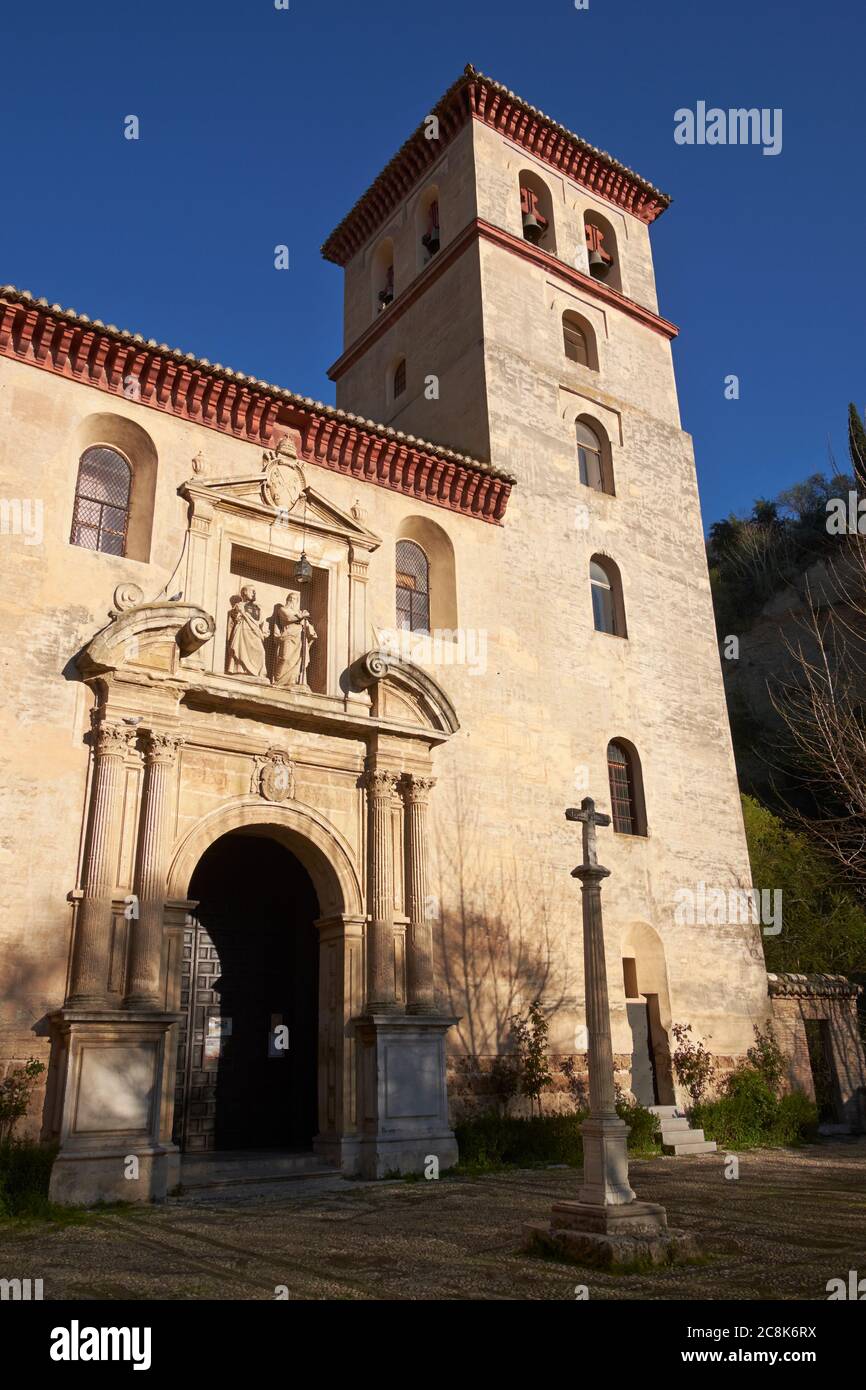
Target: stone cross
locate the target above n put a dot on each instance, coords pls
(605, 1166)
(590, 818)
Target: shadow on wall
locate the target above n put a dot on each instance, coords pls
(25, 1031)
(497, 954)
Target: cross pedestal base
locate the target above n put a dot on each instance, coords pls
(626, 1234)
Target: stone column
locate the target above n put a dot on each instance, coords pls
(381, 992)
(602, 1091)
(145, 952)
(419, 962)
(93, 926)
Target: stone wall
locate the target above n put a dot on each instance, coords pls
(831, 1000)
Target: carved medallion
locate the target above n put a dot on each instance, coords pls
(274, 776)
(284, 479)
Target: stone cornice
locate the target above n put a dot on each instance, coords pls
(474, 96)
(78, 348)
(811, 987)
(572, 276)
(497, 236)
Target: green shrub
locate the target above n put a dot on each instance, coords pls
(748, 1115)
(491, 1141)
(25, 1170)
(797, 1119)
(644, 1137)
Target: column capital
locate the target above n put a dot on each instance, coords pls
(160, 746)
(380, 782)
(416, 789)
(111, 740)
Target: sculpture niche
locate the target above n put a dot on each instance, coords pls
(288, 633)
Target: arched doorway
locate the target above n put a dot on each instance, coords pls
(247, 1055)
(647, 1002)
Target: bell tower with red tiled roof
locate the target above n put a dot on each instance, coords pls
(489, 225)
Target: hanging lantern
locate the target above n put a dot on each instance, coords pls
(303, 570)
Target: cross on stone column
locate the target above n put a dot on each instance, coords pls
(605, 1165)
(590, 818)
(606, 1225)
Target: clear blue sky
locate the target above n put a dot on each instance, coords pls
(261, 126)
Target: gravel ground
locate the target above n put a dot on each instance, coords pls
(793, 1220)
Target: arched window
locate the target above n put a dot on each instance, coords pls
(399, 383)
(536, 212)
(626, 790)
(608, 612)
(413, 587)
(601, 250)
(101, 515)
(593, 457)
(578, 340)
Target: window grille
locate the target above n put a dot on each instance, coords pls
(100, 518)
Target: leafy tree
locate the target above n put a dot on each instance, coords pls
(823, 923)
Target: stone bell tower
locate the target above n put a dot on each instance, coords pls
(491, 235)
(500, 299)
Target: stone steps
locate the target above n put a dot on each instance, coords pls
(678, 1137)
(237, 1169)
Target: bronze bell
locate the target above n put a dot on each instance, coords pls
(598, 266)
(532, 228)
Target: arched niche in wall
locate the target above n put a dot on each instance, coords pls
(602, 249)
(427, 228)
(382, 276)
(436, 544)
(136, 446)
(536, 211)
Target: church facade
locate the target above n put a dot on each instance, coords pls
(296, 698)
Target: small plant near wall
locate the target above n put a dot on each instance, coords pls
(504, 1081)
(529, 1035)
(694, 1066)
(16, 1090)
(578, 1089)
(767, 1058)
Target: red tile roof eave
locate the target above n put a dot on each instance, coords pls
(78, 349)
(493, 105)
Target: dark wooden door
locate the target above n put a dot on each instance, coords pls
(246, 1075)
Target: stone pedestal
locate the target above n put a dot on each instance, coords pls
(403, 1101)
(632, 1233)
(111, 1107)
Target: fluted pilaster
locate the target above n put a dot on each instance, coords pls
(93, 926)
(419, 959)
(146, 933)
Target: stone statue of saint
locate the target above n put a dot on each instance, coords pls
(294, 636)
(247, 635)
